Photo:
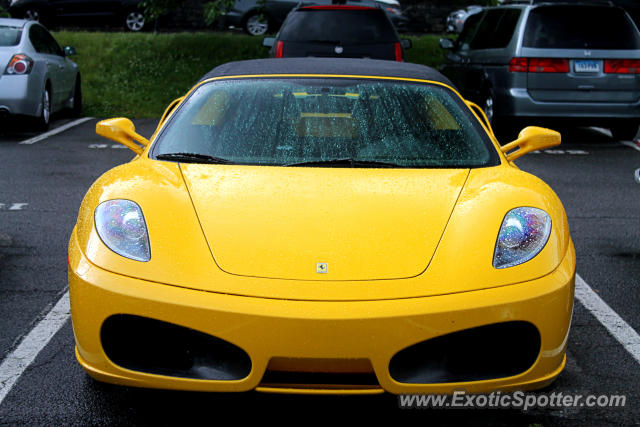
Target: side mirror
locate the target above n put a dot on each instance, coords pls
(268, 41)
(530, 139)
(123, 131)
(69, 51)
(446, 44)
(406, 43)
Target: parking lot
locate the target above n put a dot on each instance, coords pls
(43, 180)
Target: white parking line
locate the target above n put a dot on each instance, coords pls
(19, 359)
(55, 131)
(635, 144)
(13, 206)
(14, 365)
(620, 329)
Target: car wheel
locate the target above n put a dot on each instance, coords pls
(45, 111)
(31, 15)
(256, 24)
(76, 100)
(624, 132)
(487, 108)
(503, 131)
(134, 20)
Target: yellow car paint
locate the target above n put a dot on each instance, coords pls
(392, 281)
(272, 327)
(530, 139)
(123, 131)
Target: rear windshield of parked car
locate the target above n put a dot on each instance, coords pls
(289, 121)
(580, 27)
(10, 36)
(364, 26)
(496, 29)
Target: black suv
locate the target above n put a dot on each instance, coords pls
(573, 63)
(337, 31)
(52, 12)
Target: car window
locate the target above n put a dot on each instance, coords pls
(36, 36)
(338, 26)
(496, 29)
(287, 121)
(10, 36)
(52, 44)
(468, 31)
(580, 27)
(43, 42)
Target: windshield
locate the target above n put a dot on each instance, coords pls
(352, 123)
(10, 36)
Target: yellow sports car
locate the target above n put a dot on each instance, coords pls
(311, 225)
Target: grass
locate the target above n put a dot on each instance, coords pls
(137, 75)
(426, 51)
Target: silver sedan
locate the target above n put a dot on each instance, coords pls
(36, 76)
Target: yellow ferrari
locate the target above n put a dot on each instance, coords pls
(322, 226)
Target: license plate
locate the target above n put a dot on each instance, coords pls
(586, 66)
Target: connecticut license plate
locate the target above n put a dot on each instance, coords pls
(586, 66)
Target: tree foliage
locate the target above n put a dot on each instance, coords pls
(214, 9)
(154, 9)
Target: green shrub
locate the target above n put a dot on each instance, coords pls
(137, 74)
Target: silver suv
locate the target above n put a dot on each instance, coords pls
(549, 61)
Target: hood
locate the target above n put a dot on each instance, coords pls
(322, 224)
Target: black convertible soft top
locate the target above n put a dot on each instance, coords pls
(342, 66)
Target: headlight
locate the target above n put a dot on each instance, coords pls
(523, 234)
(120, 225)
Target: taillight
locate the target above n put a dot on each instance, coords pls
(622, 66)
(279, 48)
(518, 65)
(548, 65)
(539, 65)
(398, 48)
(19, 64)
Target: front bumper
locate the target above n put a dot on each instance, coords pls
(332, 333)
(20, 95)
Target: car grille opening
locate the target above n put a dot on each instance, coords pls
(156, 347)
(311, 373)
(483, 353)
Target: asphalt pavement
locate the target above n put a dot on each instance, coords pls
(41, 188)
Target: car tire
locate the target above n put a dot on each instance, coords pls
(134, 20)
(256, 24)
(487, 108)
(625, 131)
(76, 105)
(43, 121)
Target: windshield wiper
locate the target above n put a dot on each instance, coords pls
(193, 158)
(354, 163)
